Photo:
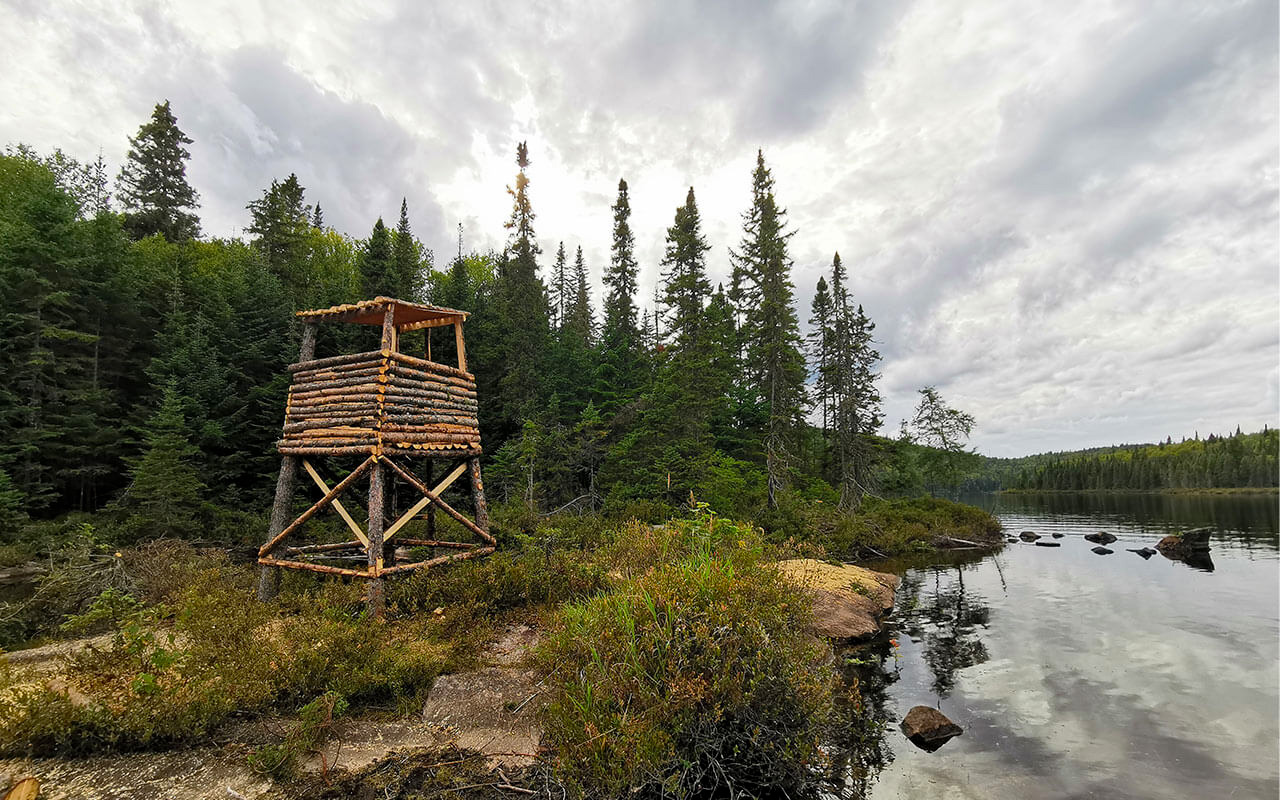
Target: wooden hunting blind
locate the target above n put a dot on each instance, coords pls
(386, 409)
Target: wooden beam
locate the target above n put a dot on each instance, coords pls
(435, 562)
(307, 565)
(438, 322)
(445, 507)
(462, 347)
(337, 504)
(310, 512)
(424, 502)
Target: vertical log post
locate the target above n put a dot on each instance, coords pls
(462, 348)
(477, 491)
(375, 600)
(269, 577)
(431, 509)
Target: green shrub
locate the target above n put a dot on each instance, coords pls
(695, 673)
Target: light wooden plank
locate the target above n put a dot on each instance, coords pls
(337, 504)
(424, 502)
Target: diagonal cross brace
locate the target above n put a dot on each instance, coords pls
(424, 502)
(321, 503)
(337, 504)
(445, 507)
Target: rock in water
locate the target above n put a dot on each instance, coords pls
(1028, 536)
(1100, 537)
(1048, 544)
(1102, 551)
(928, 728)
(1183, 544)
(1057, 535)
(1012, 540)
(1145, 552)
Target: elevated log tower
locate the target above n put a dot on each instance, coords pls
(380, 411)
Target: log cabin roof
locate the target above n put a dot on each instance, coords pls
(370, 312)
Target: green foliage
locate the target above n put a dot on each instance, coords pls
(897, 527)
(165, 495)
(1241, 460)
(153, 184)
(315, 723)
(695, 671)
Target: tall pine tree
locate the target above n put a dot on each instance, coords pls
(153, 186)
(772, 359)
(619, 375)
(406, 261)
(280, 223)
(377, 269)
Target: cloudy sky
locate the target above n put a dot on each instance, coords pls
(1063, 215)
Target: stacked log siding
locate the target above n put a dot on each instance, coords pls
(379, 401)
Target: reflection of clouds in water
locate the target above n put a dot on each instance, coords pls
(1106, 676)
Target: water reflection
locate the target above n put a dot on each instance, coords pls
(1079, 675)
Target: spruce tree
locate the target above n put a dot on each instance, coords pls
(317, 219)
(772, 359)
(820, 339)
(377, 270)
(153, 188)
(279, 223)
(579, 320)
(559, 287)
(851, 382)
(523, 332)
(406, 262)
(619, 376)
(165, 494)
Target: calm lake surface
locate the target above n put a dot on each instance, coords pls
(1078, 675)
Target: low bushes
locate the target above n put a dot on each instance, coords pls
(693, 674)
(898, 526)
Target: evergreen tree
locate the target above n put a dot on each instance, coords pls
(851, 382)
(317, 219)
(406, 260)
(377, 270)
(165, 494)
(820, 340)
(618, 378)
(280, 226)
(153, 184)
(772, 359)
(559, 287)
(521, 299)
(579, 320)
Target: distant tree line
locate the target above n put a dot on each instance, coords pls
(142, 368)
(1238, 460)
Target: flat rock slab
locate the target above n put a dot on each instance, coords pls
(848, 600)
(493, 710)
(1102, 551)
(202, 773)
(1048, 544)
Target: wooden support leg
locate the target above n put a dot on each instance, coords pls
(477, 490)
(375, 602)
(431, 509)
(269, 577)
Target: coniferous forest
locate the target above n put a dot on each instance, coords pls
(144, 365)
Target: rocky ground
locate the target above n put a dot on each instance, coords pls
(491, 710)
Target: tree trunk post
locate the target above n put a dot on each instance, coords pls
(477, 490)
(269, 577)
(375, 602)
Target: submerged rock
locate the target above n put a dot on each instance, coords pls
(928, 728)
(1028, 536)
(1048, 544)
(1012, 539)
(1145, 552)
(1101, 537)
(1102, 551)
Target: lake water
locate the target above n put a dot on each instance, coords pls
(1079, 675)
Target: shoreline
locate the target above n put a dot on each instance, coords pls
(1235, 490)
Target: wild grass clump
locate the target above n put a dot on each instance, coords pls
(692, 675)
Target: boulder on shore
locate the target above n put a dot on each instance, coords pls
(1101, 537)
(1028, 536)
(848, 601)
(928, 728)
(1102, 551)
